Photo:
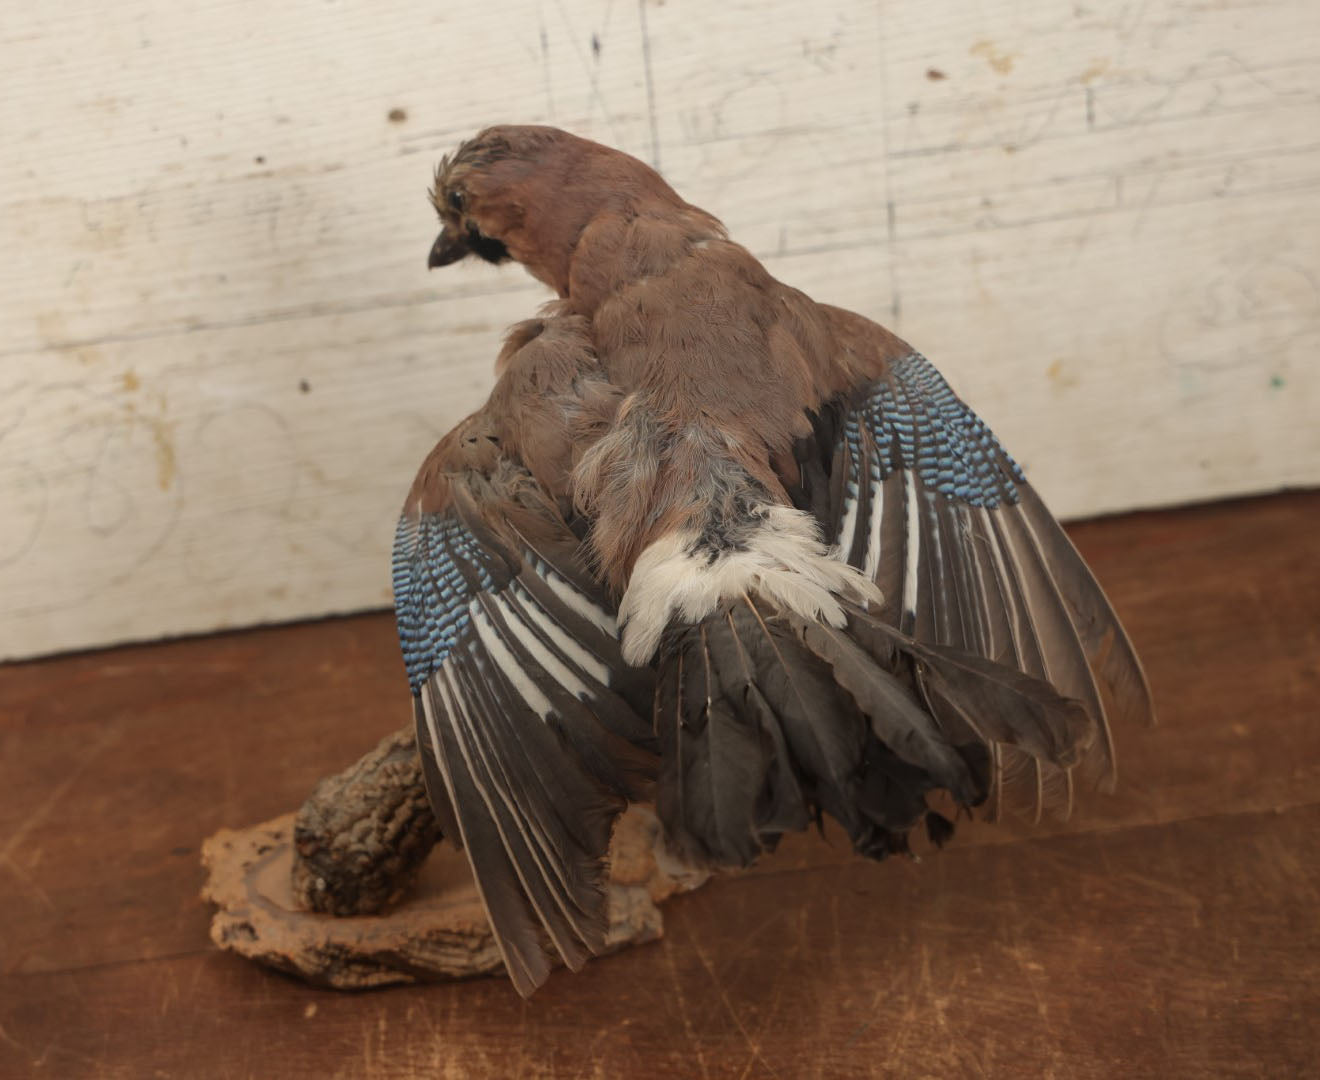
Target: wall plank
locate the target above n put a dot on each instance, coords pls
(223, 358)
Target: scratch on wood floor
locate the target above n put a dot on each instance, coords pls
(681, 997)
(29, 883)
(753, 1045)
(5, 1037)
(57, 795)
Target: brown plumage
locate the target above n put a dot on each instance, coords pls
(615, 580)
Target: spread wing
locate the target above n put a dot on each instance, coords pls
(915, 490)
(527, 719)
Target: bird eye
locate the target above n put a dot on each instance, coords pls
(456, 200)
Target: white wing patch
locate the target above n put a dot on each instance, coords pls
(507, 663)
(536, 648)
(783, 560)
(566, 643)
(872, 561)
(913, 546)
(848, 526)
(577, 603)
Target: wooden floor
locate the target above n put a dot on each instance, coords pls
(1172, 930)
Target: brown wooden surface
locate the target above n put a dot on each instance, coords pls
(1170, 930)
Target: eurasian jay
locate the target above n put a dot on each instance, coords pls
(714, 546)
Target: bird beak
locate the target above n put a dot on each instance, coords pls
(450, 246)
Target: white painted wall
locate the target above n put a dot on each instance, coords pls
(222, 358)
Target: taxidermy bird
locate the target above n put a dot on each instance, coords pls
(717, 547)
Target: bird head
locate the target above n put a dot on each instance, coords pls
(527, 193)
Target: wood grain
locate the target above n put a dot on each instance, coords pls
(1166, 931)
(223, 358)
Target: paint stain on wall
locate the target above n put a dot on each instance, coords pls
(161, 430)
(1001, 62)
(167, 465)
(1060, 377)
(1094, 71)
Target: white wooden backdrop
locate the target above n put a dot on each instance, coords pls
(221, 355)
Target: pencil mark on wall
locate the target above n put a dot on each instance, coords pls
(546, 75)
(1262, 314)
(650, 85)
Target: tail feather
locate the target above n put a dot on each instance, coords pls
(1032, 734)
(781, 807)
(896, 717)
(768, 719)
(824, 735)
(892, 796)
(728, 788)
(998, 702)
